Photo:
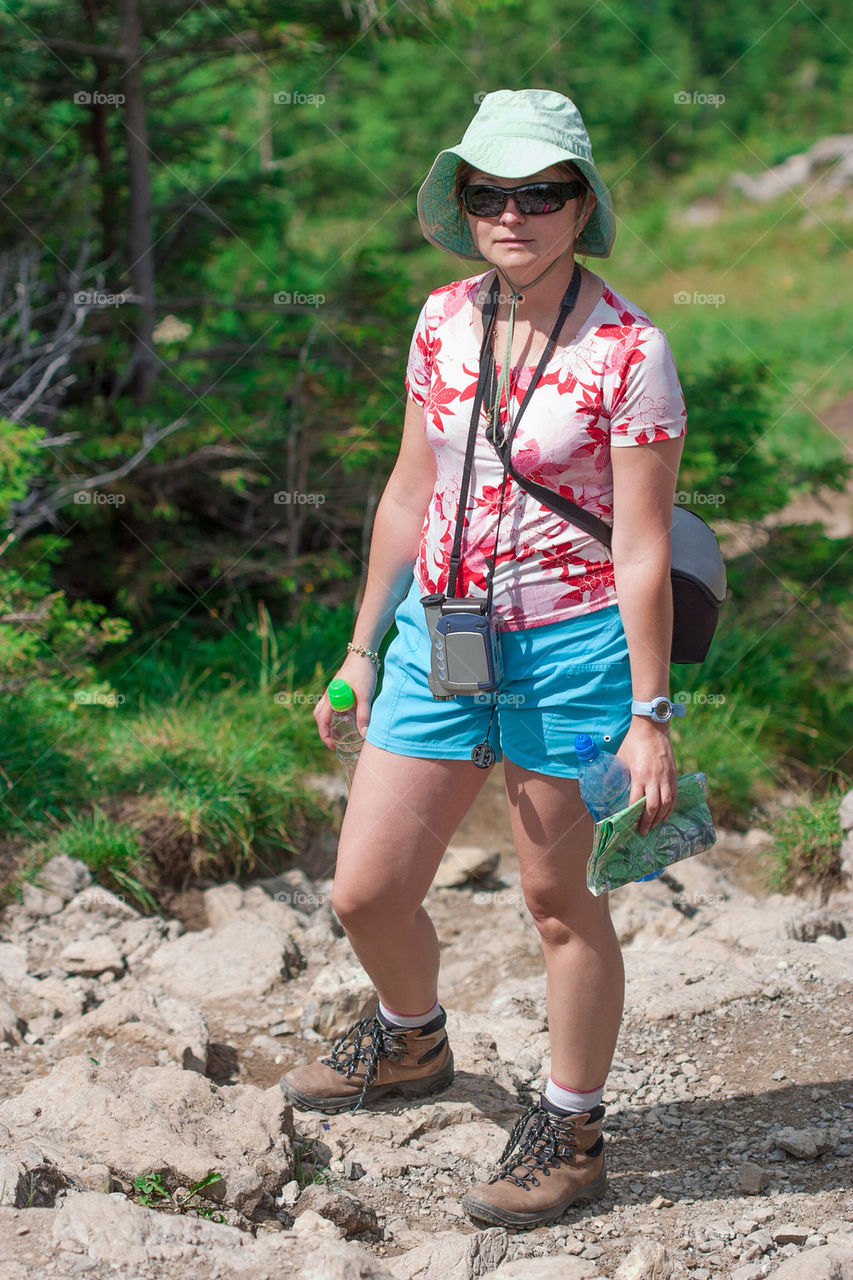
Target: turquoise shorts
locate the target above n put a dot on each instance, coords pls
(559, 679)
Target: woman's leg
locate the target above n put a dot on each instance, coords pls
(585, 975)
(401, 813)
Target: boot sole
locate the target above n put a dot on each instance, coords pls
(405, 1089)
(524, 1221)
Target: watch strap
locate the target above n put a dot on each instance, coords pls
(648, 708)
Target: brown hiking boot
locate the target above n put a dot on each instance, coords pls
(370, 1061)
(559, 1162)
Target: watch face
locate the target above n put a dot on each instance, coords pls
(662, 709)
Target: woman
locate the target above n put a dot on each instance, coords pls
(582, 632)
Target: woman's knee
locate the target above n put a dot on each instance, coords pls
(355, 903)
(562, 920)
(359, 900)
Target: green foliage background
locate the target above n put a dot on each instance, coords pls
(192, 582)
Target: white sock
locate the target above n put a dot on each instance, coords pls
(572, 1099)
(409, 1019)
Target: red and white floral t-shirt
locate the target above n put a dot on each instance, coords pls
(615, 384)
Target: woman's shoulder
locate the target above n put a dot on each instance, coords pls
(623, 335)
(621, 312)
(448, 300)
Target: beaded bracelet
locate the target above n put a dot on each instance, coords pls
(366, 653)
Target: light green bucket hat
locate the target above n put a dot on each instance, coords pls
(514, 133)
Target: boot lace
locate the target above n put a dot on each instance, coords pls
(544, 1145)
(367, 1042)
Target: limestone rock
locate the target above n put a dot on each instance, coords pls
(331, 786)
(27, 1176)
(295, 889)
(339, 1207)
(343, 1262)
(144, 1017)
(552, 1268)
(241, 961)
(130, 1238)
(648, 1260)
(225, 901)
(703, 977)
(89, 957)
(451, 1255)
(338, 997)
(312, 1224)
(96, 900)
(805, 1144)
(64, 876)
(462, 864)
(846, 855)
(751, 1178)
(138, 939)
(41, 902)
(815, 924)
(826, 1262)
(796, 170)
(52, 997)
(164, 1119)
(13, 966)
(790, 1233)
(221, 902)
(846, 812)
(11, 1026)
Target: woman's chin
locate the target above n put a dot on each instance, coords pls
(509, 254)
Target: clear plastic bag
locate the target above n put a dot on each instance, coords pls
(620, 854)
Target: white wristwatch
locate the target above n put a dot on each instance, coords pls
(659, 709)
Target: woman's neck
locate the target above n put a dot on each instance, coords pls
(542, 299)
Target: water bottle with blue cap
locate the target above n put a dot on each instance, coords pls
(605, 782)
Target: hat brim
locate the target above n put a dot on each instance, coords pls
(445, 224)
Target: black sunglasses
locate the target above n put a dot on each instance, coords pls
(533, 197)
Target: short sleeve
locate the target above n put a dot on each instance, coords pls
(647, 403)
(419, 367)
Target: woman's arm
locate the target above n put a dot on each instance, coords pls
(644, 479)
(393, 550)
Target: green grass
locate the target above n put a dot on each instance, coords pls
(307, 1169)
(203, 654)
(807, 844)
(784, 287)
(111, 851)
(725, 740)
(150, 1190)
(202, 785)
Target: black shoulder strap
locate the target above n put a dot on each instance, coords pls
(564, 507)
(489, 311)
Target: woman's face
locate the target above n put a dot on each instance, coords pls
(512, 239)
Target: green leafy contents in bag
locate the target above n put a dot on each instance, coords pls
(620, 854)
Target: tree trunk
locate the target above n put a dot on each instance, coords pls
(100, 138)
(140, 248)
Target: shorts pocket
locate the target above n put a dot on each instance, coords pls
(410, 621)
(593, 643)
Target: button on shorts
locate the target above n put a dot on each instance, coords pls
(559, 679)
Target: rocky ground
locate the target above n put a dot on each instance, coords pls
(136, 1046)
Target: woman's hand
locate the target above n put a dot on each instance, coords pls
(360, 674)
(647, 751)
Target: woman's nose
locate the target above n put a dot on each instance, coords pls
(511, 211)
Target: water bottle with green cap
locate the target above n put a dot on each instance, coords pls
(345, 732)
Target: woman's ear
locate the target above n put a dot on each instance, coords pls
(586, 212)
